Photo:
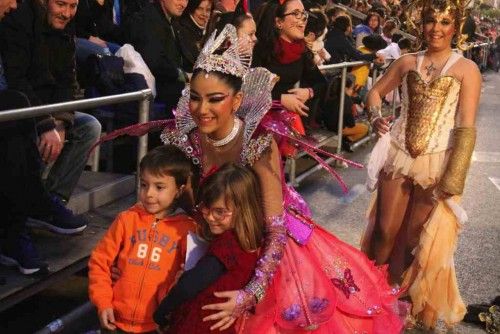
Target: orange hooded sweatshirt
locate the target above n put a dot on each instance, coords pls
(149, 253)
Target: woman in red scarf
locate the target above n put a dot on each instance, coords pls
(280, 29)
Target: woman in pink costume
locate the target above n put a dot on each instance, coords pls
(419, 165)
(306, 279)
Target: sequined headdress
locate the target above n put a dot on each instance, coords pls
(416, 10)
(233, 60)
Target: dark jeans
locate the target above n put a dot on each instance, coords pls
(66, 171)
(21, 191)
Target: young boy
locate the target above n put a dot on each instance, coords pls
(352, 131)
(148, 244)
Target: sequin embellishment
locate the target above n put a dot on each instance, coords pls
(425, 104)
(346, 284)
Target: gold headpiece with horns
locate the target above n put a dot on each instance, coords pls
(416, 10)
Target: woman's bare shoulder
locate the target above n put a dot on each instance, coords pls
(408, 61)
(465, 68)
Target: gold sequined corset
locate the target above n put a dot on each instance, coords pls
(427, 114)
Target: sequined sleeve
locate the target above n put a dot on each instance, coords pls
(268, 167)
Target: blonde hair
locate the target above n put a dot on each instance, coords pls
(239, 187)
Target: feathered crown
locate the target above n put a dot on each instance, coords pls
(232, 60)
(415, 10)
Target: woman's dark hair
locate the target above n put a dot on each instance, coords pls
(267, 34)
(231, 80)
(310, 4)
(374, 42)
(316, 23)
(219, 20)
(368, 18)
(239, 19)
(193, 4)
(342, 23)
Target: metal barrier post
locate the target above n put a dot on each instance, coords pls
(142, 148)
(485, 56)
(341, 109)
(395, 94)
(375, 76)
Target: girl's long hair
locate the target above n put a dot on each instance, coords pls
(240, 188)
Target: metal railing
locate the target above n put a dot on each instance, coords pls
(344, 66)
(143, 96)
(362, 16)
(296, 179)
(484, 56)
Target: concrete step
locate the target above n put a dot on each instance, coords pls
(64, 254)
(96, 189)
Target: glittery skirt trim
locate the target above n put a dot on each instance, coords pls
(326, 286)
(425, 170)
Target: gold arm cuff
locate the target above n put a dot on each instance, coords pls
(453, 179)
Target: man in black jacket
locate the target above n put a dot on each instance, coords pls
(38, 53)
(153, 35)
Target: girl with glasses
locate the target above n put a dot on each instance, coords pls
(231, 206)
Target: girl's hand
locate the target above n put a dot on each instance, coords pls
(303, 94)
(226, 309)
(107, 319)
(293, 103)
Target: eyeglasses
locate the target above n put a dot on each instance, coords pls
(298, 14)
(216, 213)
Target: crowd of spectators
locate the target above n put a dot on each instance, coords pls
(45, 43)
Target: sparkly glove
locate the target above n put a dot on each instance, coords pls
(453, 179)
(274, 243)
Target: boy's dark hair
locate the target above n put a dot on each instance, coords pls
(316, 23)
(168, 160)
(374, 42)
(342, 22)
(396, 38)
(350, 80)
(404, 43)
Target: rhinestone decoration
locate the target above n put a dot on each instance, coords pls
(426, 104)
(232, 134)
(232, 61)
(253, 150)
(346, 283)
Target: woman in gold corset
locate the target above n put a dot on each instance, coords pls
(419, 165)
